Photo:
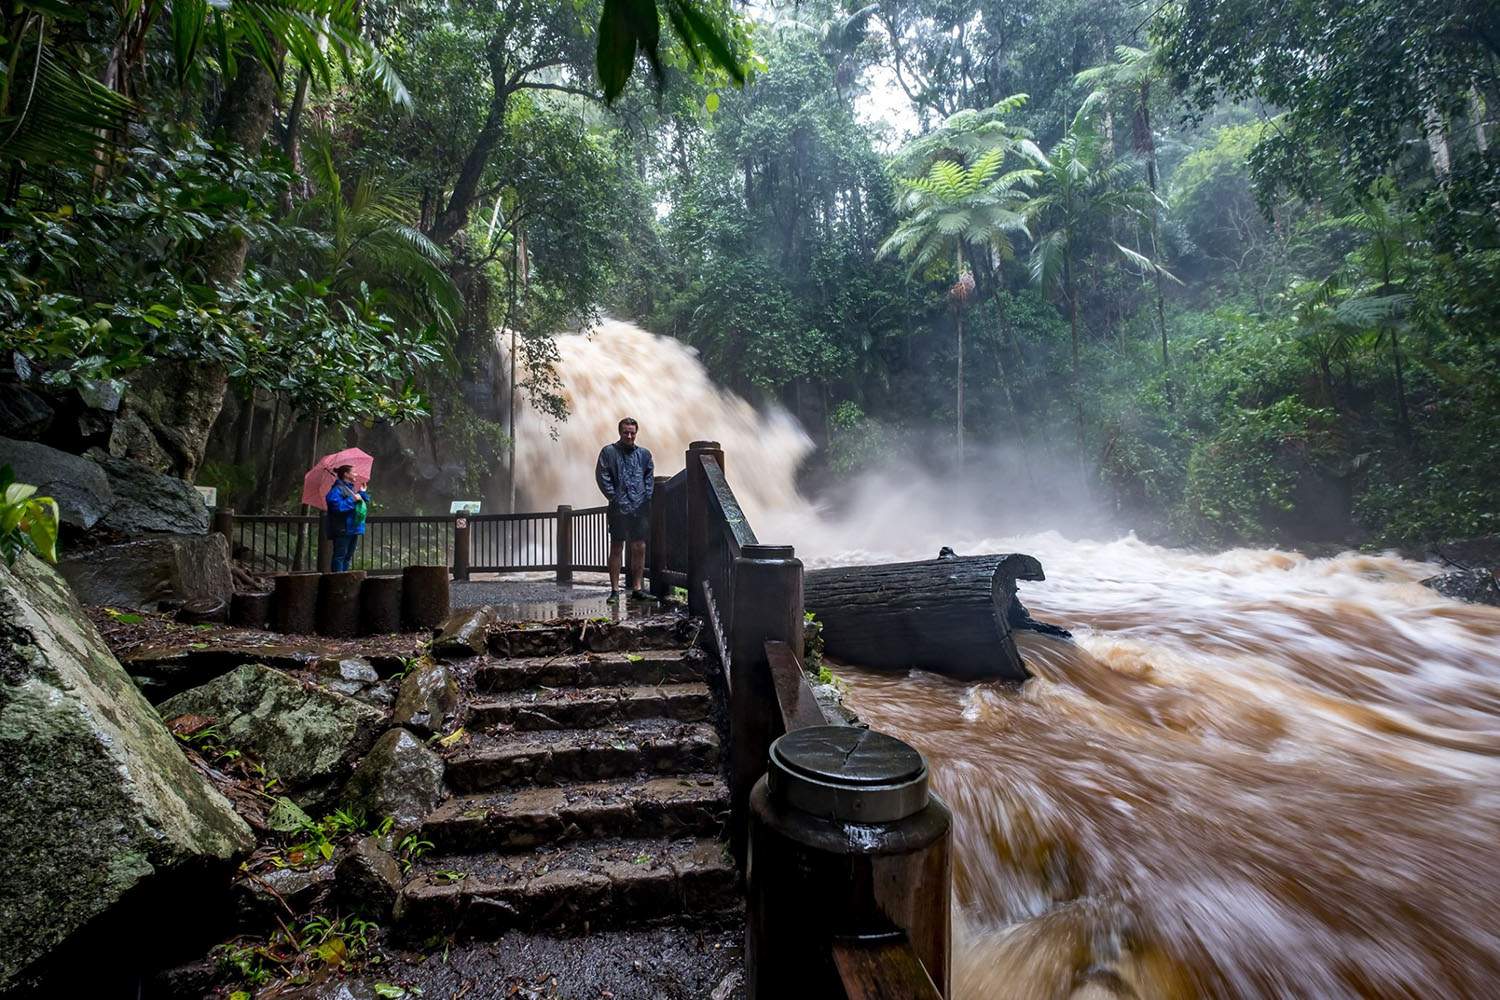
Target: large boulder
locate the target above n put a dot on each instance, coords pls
(1476, 586)
(148, 502)
(306, 736)
(401, 778)
(101, 812)
(79, 486)
(147, 571)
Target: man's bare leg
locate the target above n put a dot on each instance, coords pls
(637, 565)
(616, 552)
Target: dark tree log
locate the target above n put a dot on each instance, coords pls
(424, 597)
(251, 610)
(951, 616)
(380, 605)
(338, 603)
(296, 603)
(209, 611)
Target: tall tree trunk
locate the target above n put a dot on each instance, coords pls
(958, 313)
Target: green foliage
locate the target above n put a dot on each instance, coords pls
(28, 523)
(1244, 482)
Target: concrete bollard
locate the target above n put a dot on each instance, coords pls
(846, 843)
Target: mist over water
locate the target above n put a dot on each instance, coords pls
(1256, 774)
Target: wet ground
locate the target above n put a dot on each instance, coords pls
(660, 963)
(534, 597)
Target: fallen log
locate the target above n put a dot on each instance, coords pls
(950, 615)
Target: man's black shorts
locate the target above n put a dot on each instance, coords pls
(629, 527)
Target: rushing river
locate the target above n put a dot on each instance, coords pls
(1254, 774)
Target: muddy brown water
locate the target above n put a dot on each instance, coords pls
(1254, 775)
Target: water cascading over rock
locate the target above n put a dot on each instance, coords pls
(618, 370)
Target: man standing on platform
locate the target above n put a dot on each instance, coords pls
(626, 477)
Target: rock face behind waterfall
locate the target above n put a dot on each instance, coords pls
(102, 811)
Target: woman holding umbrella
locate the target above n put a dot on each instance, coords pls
(347, 504)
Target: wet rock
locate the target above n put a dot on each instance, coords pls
(305, 735)
(262, 898)
(518, 642)
(23, 414)
(466, 633)
(1481, 552)
(103, 811)
(400, 778)
(348, 669)
(189, 981)
(429, 699)
(369, 878)
(130, 437)
(162, 671)
(80, 487)
(147, 502)
(1477, 586)
(145, 572)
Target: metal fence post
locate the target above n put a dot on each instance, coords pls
(461, 548)
(767, 606)
(564, 543)
(656, 553)
(697, 521)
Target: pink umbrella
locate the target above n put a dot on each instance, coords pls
(319, 479)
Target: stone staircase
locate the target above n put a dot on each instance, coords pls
(587, 791)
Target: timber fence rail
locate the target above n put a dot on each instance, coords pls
(749, 595)
(564, 540)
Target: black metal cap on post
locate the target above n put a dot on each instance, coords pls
(704, 446)
(848, 847)
(848, 774)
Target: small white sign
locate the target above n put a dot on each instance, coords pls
(210, 495)
(464, 507)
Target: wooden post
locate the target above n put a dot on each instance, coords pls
(697, 521)
(380, 605)
(656, 550)
(767, 606)
(224, 525)
(424, 597)
(325, 551)
(338, 603)
(296, 603)
(564, 543)
(461, 548)
(848, 892)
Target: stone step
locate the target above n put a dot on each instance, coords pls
(664, 631)
(672, 666)
(579, 886)
(691, 805)
(487, 761)
(584, 708)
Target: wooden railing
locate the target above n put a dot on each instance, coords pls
(749, 596)
(563, 540)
